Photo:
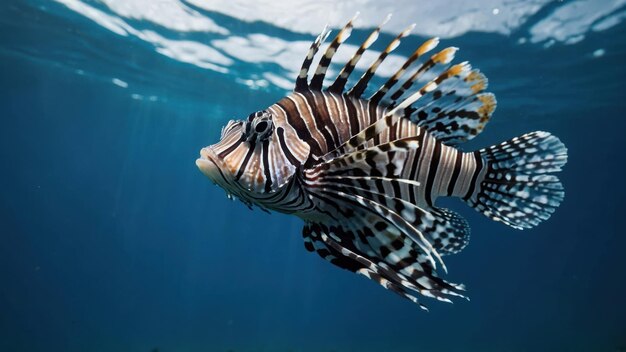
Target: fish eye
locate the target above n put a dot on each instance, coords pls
(260, 127)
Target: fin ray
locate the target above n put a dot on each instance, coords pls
(393, 115)
(358, 89)
(339, 245)
(344, 74)
(320, 72)
(517, 188)
(302, 79)
(424, 48)
(443, 57)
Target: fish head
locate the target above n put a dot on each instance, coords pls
(251, 157)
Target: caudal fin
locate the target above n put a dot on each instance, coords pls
(517, 188)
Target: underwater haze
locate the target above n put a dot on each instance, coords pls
(112, 240)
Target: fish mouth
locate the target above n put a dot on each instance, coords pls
(211, 166)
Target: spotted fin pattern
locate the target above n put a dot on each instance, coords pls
(364, 163)
(456, 233)
(516, 187)
(374, 177)
(385, 257)
(444, 57)
(458, 109)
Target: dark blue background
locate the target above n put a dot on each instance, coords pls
(112, 240)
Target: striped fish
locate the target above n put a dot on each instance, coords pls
(364, 173)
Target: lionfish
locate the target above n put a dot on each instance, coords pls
(365, 173)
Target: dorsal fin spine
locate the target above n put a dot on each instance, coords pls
(318, 79)
(424, 48)
(361, 85)
(443, 57)
(392, 116)
(302, 80)
(342, 78)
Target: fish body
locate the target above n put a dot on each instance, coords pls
(365, 173)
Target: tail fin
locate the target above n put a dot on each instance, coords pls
(517, 188)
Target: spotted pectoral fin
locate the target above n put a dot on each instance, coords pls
(373, 177)
(400, 269)
(446, 231)
(324, 241)
(383, 163)
(450, 233)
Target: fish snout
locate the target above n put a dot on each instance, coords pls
(210, 165)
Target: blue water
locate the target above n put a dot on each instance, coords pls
(112, 240)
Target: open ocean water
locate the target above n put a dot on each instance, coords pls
(112, 240)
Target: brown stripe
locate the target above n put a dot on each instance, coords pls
(295, 120)
(355, 126)
(230, 149)
(285, 149)
(319, 115)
